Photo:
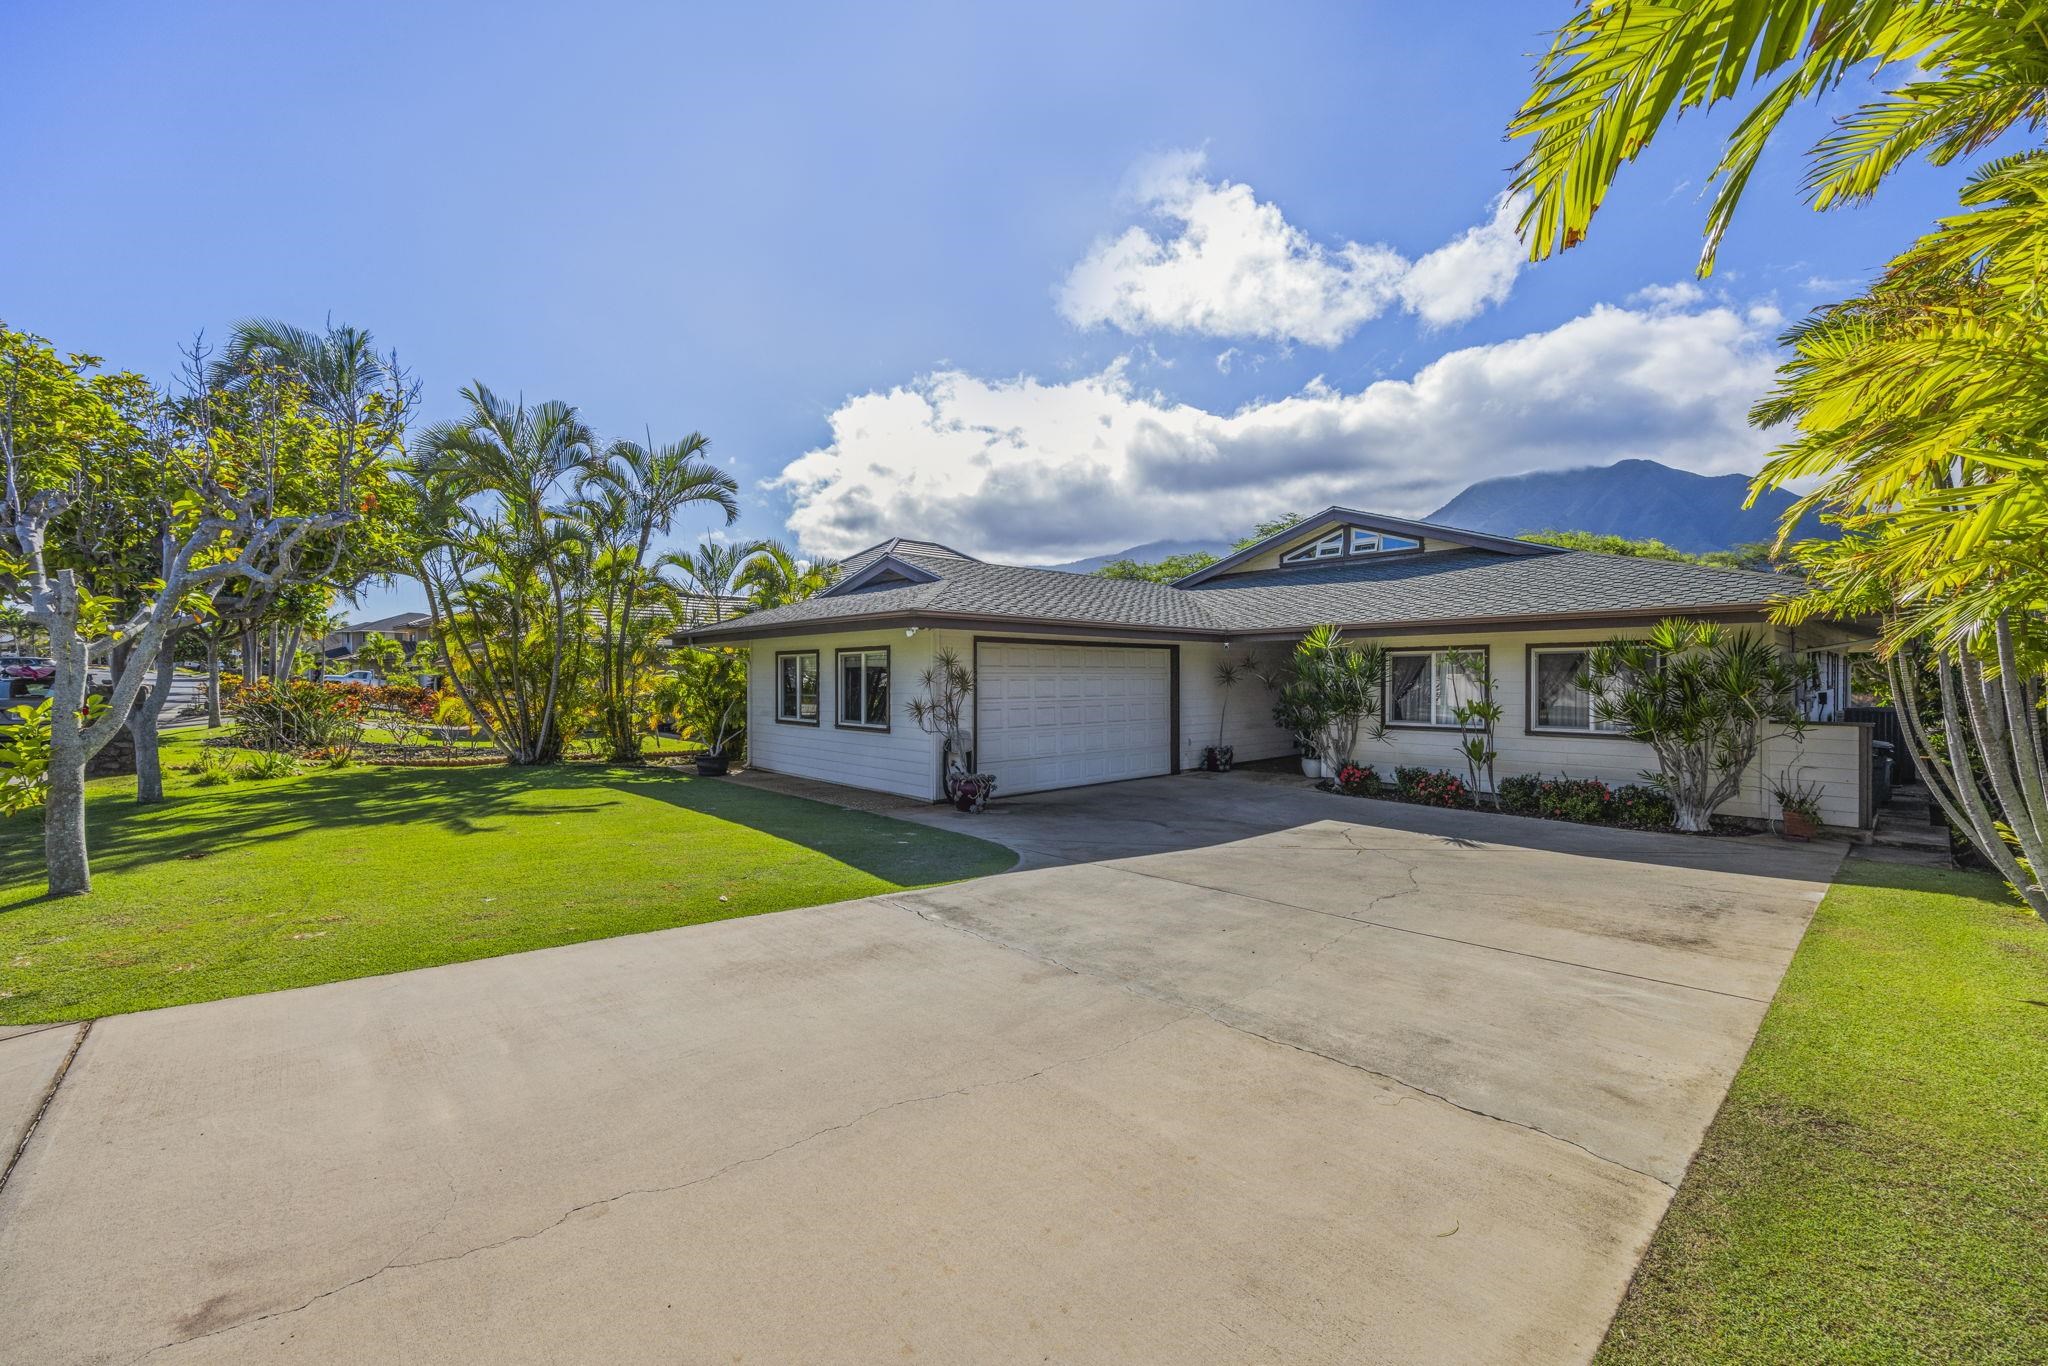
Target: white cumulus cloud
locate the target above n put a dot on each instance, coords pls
(1233, 266)
(1022, 469)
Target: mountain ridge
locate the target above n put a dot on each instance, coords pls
(1639, 499)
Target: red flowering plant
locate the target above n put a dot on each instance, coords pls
(296, 716)
(1357, 780)
(1432, 788)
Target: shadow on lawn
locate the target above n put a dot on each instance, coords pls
(197, 823)
(902, 852)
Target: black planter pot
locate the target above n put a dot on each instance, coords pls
(711, 765)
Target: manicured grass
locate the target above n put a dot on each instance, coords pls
(1875, 1186)
(259, 885)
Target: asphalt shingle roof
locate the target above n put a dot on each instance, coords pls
(1455, 584)
(1443, 586)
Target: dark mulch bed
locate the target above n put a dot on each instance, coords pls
(1724, 826)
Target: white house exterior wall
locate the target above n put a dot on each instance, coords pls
(1829, 754)
(1248, 721)
(902, 759)
(905, 760)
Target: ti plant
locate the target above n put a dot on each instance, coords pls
(942, 709)
(1477, 717)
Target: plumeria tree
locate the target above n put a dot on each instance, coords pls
(230, 511)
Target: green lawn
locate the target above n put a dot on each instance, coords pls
(261, 885)
(1875, 1187)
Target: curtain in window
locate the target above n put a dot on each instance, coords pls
(1560, 701)
(877, 667)
(849, 689)
(1409, 687)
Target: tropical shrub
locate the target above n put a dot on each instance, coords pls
(1642, 807)
(1432, 787)
(1702, 697)
(706, 699)
(270, 763)
(1560, 798)
(297, 715)
(1330, 693)
(945, 707)
(213, 768)
(405, 710)
(1358, 780)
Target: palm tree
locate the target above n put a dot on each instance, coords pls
(775, 577)
(1616, 74)
(1918, 405)
(505, 569)
(712, 570)
(628, 496)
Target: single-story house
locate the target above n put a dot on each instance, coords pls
(1081, 680)
(407, 628)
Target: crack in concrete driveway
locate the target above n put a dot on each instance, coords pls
(1223, 1089)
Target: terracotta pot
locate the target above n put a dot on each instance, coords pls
(1797, 825)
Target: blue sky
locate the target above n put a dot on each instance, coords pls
(1039, 285)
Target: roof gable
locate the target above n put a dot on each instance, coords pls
(887, 570)
(1338, 534)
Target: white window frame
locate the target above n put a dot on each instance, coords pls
(866, 654)
(1326, 547)
(1439, 657)
(1594, 725)
(1365, 542)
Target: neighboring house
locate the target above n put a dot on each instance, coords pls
(407, 628)
(410, 628)
(1088, 680)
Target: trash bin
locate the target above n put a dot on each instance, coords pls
(1880, 772)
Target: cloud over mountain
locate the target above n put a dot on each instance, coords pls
(1028, 469)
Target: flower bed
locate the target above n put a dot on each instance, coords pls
(1585, 801)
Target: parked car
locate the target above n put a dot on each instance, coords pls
(30, 667)
(360, 678)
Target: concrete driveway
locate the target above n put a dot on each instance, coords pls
(1231, 1072)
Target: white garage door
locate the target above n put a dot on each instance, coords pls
(1064, 715)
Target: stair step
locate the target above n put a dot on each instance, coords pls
(1910, 837)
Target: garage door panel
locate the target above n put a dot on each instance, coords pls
(1094, 714)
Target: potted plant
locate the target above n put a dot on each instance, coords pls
(970, 791)
(1798, 808)
(1217, 758)
(706, 700)
(942, 710)
(1331, 693)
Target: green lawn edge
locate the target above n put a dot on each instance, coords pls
(327, 875)
(1872, 1189)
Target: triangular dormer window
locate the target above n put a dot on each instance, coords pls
(1347, 541)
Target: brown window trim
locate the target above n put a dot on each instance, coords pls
(1529, 726)
(838, 674)
(1485, 652)
(818, 666)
